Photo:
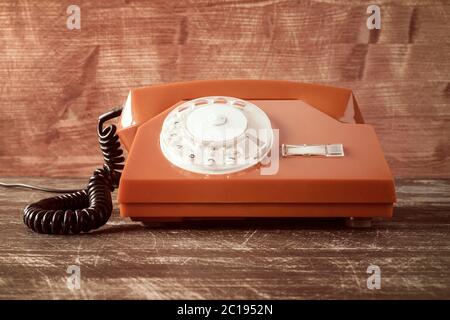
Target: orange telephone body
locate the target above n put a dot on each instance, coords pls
(358, 185)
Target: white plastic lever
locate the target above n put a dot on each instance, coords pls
(325, 150)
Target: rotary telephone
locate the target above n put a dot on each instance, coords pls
(229, 149)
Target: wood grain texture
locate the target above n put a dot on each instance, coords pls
(55, 82)
(289, 259)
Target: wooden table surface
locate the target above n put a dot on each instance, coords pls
(292, 259)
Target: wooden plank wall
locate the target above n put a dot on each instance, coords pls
(55, 82)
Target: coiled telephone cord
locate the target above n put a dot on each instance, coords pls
(88, 209)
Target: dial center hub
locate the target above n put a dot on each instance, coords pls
(216, 123)
(217, 119)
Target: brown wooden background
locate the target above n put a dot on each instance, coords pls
(55, 82)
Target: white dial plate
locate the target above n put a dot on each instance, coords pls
(216, 135)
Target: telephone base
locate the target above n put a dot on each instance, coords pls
(156, 212)
(324, 162)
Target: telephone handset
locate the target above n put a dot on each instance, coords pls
(229, 148)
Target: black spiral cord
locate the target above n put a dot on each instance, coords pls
(87, 209)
